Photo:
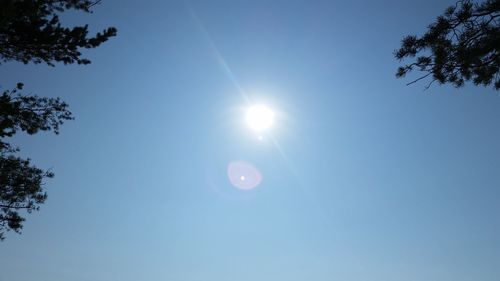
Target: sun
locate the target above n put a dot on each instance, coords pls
(259, 117)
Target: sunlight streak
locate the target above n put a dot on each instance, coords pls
(220, 59)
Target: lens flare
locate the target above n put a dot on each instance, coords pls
(243, 175)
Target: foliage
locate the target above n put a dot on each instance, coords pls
(30, 31)
(463, 44)
(21, 190)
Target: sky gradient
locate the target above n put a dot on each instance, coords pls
(363, 177)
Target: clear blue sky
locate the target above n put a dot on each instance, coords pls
(367, 178)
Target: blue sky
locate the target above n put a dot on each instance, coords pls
(364, 178)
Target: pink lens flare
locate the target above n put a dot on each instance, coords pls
(243, 175)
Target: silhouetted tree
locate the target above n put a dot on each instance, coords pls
(30, 31)
(462, 44)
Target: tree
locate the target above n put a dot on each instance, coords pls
(463, 44)
(30, 32)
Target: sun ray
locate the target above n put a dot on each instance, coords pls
(220, 59)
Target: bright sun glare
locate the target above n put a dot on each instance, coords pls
(259, 117)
